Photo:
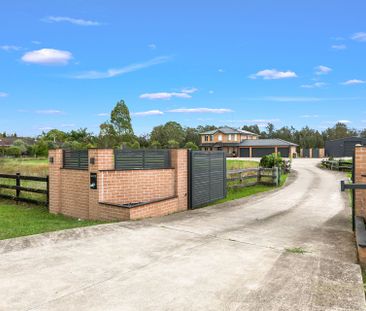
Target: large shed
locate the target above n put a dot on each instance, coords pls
(343, 147)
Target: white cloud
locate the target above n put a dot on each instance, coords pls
(49, 112)
(339, 46)
(314, 85)
(36, 42)
(152, 46)
(47, 57)
(359, 36)
(273, 74)
(322, 70)
(220, 70)
(75, 21)
(110, 73)
(310, 116)
(46, 128)
(201, 110)
(68, 125)
(185, 93)
(103, 114)
(344, 121)
(210, 92)
(10, 48)
(3, 94)
(353, 82)
(148, 113)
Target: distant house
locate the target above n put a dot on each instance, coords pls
(6, 142)
(241, 143)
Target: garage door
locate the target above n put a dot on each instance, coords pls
(260, 152)
(244, 152)
(315, 153)
(285, 152)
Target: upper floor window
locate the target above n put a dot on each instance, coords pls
(236, 137)
(229, 138)
(220, 137)
(211, 138)
(206, 137)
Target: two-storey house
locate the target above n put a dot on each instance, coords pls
(241, 143)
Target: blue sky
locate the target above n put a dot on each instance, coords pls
(64, 64)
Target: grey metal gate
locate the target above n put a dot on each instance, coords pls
(306, 153)
(207, 177)
(315, 153)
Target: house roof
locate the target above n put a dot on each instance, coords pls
(229, 130)
(265, 143)
(8, 141)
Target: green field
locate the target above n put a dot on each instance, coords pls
(24, 166)
(21, 220)
(239, 164)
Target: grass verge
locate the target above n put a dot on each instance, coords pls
(24, 166)
(21, 220)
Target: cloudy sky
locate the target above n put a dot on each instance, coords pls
(64, 64)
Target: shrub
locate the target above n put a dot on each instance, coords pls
(191, 145)
(173, 144)
(14, 151)
(155, 144)
(271, 160)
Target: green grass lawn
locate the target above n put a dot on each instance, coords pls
(233, 194)
(21, 220)
(239, 164)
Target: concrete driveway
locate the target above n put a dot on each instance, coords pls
(217, 258)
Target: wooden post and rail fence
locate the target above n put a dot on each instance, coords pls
(242, 178)
(14, 183)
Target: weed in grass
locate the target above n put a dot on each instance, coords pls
(296, 250)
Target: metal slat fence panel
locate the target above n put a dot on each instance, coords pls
(142, 159)
(76, 159)
(207, 177)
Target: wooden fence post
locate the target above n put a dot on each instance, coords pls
(17, 183)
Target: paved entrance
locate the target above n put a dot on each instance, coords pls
(216, 258)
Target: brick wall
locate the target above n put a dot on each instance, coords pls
(121, 187)
(360, 169)
(70, 192)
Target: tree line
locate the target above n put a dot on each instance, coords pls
(118, 132)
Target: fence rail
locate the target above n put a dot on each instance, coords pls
(16, 185)
(252, 176)
(339, 165)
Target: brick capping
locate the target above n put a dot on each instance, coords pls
(140, 203)
(138, 169)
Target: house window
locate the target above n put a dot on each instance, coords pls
(211, 138)
(229, 137)
(220, 137)
(235, 137)
(206, 137)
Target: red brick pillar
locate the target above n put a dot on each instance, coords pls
(179, 161)
(360, 169)
(55, 159)
(99, 160)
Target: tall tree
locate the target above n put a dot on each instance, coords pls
(121, 120)
(252, 128)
